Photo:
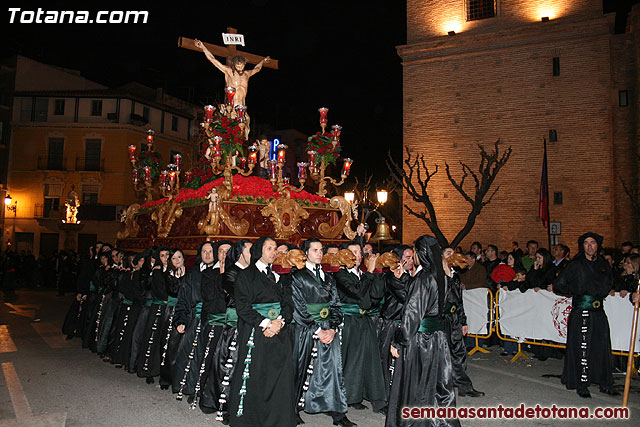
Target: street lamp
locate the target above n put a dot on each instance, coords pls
(11, 206)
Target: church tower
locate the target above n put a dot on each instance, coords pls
(475, 71)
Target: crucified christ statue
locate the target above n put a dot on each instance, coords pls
(234, 74)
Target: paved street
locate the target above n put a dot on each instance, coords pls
(48, 381)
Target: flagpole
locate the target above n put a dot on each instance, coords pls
(632, 345)
(548, 196)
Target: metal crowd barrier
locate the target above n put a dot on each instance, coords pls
(493, 321)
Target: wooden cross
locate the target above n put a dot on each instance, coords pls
(226, 51)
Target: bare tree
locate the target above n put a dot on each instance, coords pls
(417, 172)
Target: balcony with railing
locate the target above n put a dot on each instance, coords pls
(46, 211)
(52, 163)
(89, 164)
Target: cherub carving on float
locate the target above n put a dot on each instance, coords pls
(216, 216)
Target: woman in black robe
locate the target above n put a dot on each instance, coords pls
(131, 288)
(110, 303)
(588, 279)
(423, 368)
(76, 320)
(188, 323)
(262, 391)
(226, 352)
(138, 340)
(170, 337)
(97, 294)
(149, 355)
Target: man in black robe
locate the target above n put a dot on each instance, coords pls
(588, 279)
(454, 321)
(262, 391)
(423, 371)
(317, 314)
(358, 290)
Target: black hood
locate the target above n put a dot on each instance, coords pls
(217, 245)
(256, 249)
(598, 238)
(235, 252)
(430, 257)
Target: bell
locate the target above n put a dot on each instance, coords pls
(382, 231)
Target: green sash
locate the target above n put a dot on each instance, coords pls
(270, 310)
(198, 310)
(148, 302)
(215, 319)
(320, 311)
(353, 310)
(586, 302)
(430, 325)
(158, 302)
(127, 301)
(92, 287)
(231, 317)
(172, 301)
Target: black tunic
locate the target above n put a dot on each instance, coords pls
(363, 377)
(586, 328)
(131, 288)
(150, 354)
(453, 319)
(170, 337)
(325, 391)
(269, 399)
(190, 350)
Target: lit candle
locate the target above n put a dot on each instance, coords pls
(312, 156)
(217, 140)
(253, 154)
(231, 93)
(147, 174)
(323, 115)
(243, 162)
(172, 177)
(208, 113)
(302, 170)
(346, 166)
(132, 152)
(273, 170)
(134, 173)
(187, 176)
(177, 158)
(282, 152)
(163, 178)
(240, 109)
(150, 137)
(337, 129)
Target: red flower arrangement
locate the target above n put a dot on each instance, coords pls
(322, 144)
(245, 189)
(151, 159)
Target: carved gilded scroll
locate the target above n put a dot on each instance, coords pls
(131, 228)
(344, 224)
(285, 214)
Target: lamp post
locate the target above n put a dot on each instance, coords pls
(12, 206)
(382, 228)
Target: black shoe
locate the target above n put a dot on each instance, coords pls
(118, 365)
(150, 380)
(190, 399)
(584, 393)
(225, 419)
(472, 392)
(382, 410)
(164, 387)
(345, 422)
(358, 406)
(69, 337)
(609, 390)
(504, 353)
(299, 420)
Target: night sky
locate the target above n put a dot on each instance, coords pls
(337, 54)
